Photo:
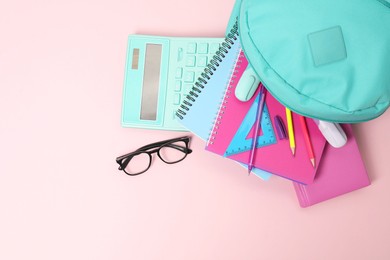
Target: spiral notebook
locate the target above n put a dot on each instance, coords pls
(232, 133)
(196, 111)
(199, 108)
(341, 171)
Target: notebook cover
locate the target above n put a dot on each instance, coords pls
(202, 112)
(341, 171)
(276, 158)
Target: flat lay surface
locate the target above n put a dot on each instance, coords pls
(62, 196)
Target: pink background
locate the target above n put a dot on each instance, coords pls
(62, 197)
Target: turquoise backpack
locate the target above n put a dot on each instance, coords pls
(325, 59)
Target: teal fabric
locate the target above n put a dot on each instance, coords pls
(326, 59)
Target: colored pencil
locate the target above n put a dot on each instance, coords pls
(259, 113)
(290, 127)
(306, 136)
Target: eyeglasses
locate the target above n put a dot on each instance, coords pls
(170, 151)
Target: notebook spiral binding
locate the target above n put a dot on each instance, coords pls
(225, 100)
(201, 82)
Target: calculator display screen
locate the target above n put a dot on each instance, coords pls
(151, 81)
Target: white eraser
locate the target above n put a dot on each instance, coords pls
(332, 132)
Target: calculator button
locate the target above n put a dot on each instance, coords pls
(179, 73)
(203, 48)
(177, 85)
(180, 54)
(176, 99)
(214, 47)
(189, 76)
(190, 61)
(202, 61)
(187, 88)
(191, 48)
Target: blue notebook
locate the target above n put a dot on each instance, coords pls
(199, 108)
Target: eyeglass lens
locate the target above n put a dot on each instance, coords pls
(173, 152)
(138, 163)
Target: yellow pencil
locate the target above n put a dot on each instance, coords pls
(290, 130)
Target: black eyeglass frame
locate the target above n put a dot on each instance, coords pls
(124, 160)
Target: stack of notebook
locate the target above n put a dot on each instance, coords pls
(212, 112)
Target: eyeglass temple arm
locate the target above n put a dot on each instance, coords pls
(149, 146)
(143, 148)
(181, 148)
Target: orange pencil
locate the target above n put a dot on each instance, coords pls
(306, 136)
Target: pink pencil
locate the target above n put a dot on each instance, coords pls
(306, 136)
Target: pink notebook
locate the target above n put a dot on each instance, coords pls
(274, 155)
(341, 171)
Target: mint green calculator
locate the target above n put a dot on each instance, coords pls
(160, 71)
